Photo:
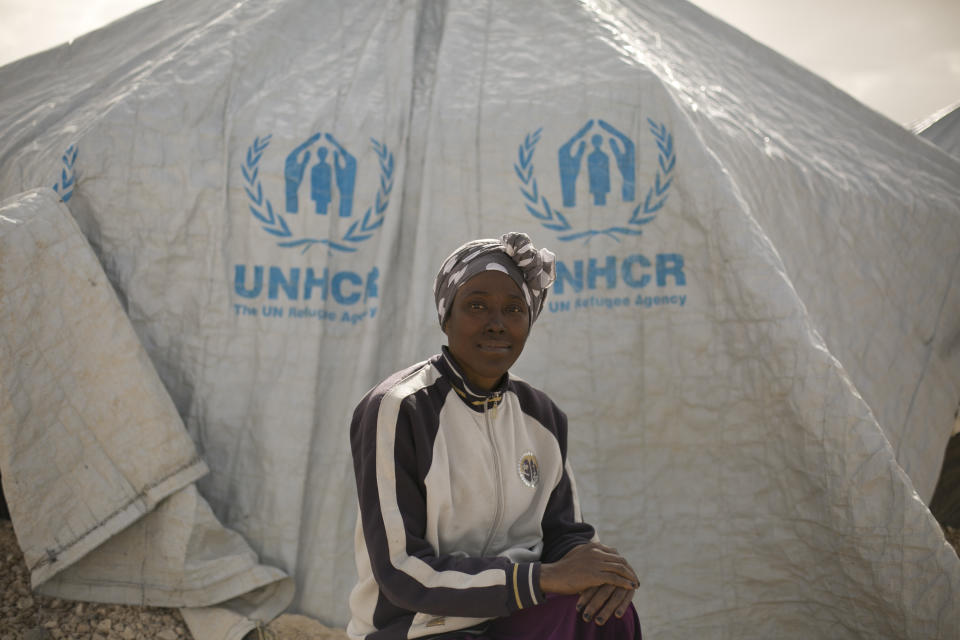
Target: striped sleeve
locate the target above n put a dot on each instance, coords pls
(563, 526)
(562, 523)
(392, 437)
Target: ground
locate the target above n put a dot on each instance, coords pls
(29, 616)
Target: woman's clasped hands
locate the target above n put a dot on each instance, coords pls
(604, 579)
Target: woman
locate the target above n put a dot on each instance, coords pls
(469, 524)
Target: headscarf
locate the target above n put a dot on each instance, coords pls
(513, 253)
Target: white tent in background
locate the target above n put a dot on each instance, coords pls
(754, 332)
(942, 129)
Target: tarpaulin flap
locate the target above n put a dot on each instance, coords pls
(91, 441)
(97, 466)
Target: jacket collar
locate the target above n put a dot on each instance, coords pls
(476, 399)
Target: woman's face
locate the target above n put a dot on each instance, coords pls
(487, 327)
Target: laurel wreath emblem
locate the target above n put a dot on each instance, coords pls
(551, 218)
(273, 222)
(64, 187)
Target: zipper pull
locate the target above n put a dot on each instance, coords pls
(495, 399)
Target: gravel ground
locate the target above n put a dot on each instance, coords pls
(29, 616)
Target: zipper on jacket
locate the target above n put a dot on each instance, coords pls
(498, 473)
(495, 399)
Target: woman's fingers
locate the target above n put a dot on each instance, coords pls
(597, 602)
(616, 605)
(625, 602)
(605, 602)
(616, 563)
(619, 579)
(609, 580)
(585, 597)
(624, 571)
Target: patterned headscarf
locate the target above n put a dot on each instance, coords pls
(513, 254)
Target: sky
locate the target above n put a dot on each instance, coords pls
(899, 57)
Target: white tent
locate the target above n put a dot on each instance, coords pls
(942, 129)
(754, 332)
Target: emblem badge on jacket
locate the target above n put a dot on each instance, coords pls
(528, 469)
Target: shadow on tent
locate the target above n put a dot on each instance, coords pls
(945, 504)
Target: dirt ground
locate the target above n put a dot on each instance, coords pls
(29, 616)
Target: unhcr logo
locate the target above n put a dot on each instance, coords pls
(572, 165)
(596, 168)
(332, 177)
(320, 191)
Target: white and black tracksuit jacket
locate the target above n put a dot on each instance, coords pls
(462, 496)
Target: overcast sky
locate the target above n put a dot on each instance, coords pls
(900, 57)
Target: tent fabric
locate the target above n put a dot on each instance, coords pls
(753, 331)
(942, 129)
(76, 380)
(838, 202)
(99, 470)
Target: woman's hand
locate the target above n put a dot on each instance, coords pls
(585, 567)
(599, 603)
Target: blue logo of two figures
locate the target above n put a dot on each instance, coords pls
(598, 165)
(333, 167)
(571, 158)
(321, 192)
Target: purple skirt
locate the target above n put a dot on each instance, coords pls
(558, 619)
